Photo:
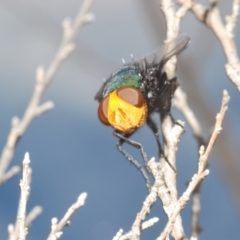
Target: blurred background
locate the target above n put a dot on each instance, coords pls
(72, 152)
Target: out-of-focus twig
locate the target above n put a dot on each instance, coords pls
(180, 102)
(43, 79)
(32, 215)
(225, 33)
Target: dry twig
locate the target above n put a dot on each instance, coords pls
(43, 79)
(173, 19)
(224, 32)
(202, 171)
(56, 227)
(20, 230)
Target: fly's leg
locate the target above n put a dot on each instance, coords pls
(155, 130)
(124, 138)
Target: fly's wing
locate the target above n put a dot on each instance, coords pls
(156, 59)
(161, 55)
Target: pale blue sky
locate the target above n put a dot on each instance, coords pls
(72, 152)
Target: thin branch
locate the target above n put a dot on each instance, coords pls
(181, 203)
(196, 207)
(118, 235)
(147, 204)
(173, 18)
(216, 132)
(58, 226)
(138, 225)
(33, 214)
(149, 223)
(180, 102)
(202, 171)
(19, 231)
(225, 33)
(35, 108)
(130, 235)
(231, 20)
(25, 188)
(160, 188)
(173, 135)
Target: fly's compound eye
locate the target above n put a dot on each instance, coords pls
(103, 110)
(124, 109)
(131, 95)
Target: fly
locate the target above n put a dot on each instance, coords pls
(129, 97)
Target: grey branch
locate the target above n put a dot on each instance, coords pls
(58, 226)
(20, 230)
(202, 171)
(43, 79)
(173, 18)
(225, 33)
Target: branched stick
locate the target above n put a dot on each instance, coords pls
(160, 188)
(43, 79)
(173, 136)
(138, 225)
(147, 224)
(173, 19)
(20, 230)
(216, 132)
(202, 171)
(58, 226)
(148, 203)
(211, 17)
(225, 33)
(180, 102)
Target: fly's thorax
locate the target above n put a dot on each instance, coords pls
(148, 86)
(125, 76)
